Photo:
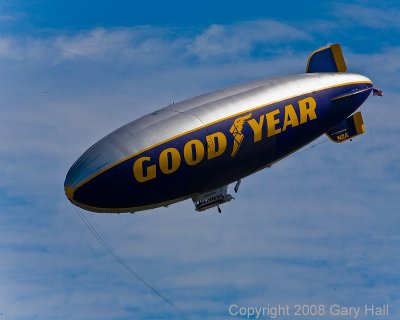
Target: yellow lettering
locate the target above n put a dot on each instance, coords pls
(216, 144)
(272, 122)
(307, 109)
(169, 160)
(257, 127)
(193, 158)
(139, 170)
(290, 117)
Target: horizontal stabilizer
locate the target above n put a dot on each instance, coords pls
(347, 129)
(327, 59)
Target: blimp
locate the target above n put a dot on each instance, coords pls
(196, 148)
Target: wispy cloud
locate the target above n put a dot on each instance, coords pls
(143, 45)
(139, 45)
(227, 41)
(378, 17)
(92, 44)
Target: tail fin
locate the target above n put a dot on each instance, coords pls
(327, 59)
(347, 129)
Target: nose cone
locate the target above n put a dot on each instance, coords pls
(93, 162)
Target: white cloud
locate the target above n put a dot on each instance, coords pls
(114, 44)
(225, 42)
(136, 46)
(148, 45)
(94, 43)
(378, 17)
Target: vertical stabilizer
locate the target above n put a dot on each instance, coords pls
(327, 59)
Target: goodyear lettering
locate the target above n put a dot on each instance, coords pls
(194, 151)
(272, 121)
(170, 160)
(142, 171)
(290, 118)
(257, 127)
(307, 109)
(216, 145)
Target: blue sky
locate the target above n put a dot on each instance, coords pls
(321, 227)
(61, 14)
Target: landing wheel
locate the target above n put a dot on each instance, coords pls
(219, 209)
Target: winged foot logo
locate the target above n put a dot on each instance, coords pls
(236, 131)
